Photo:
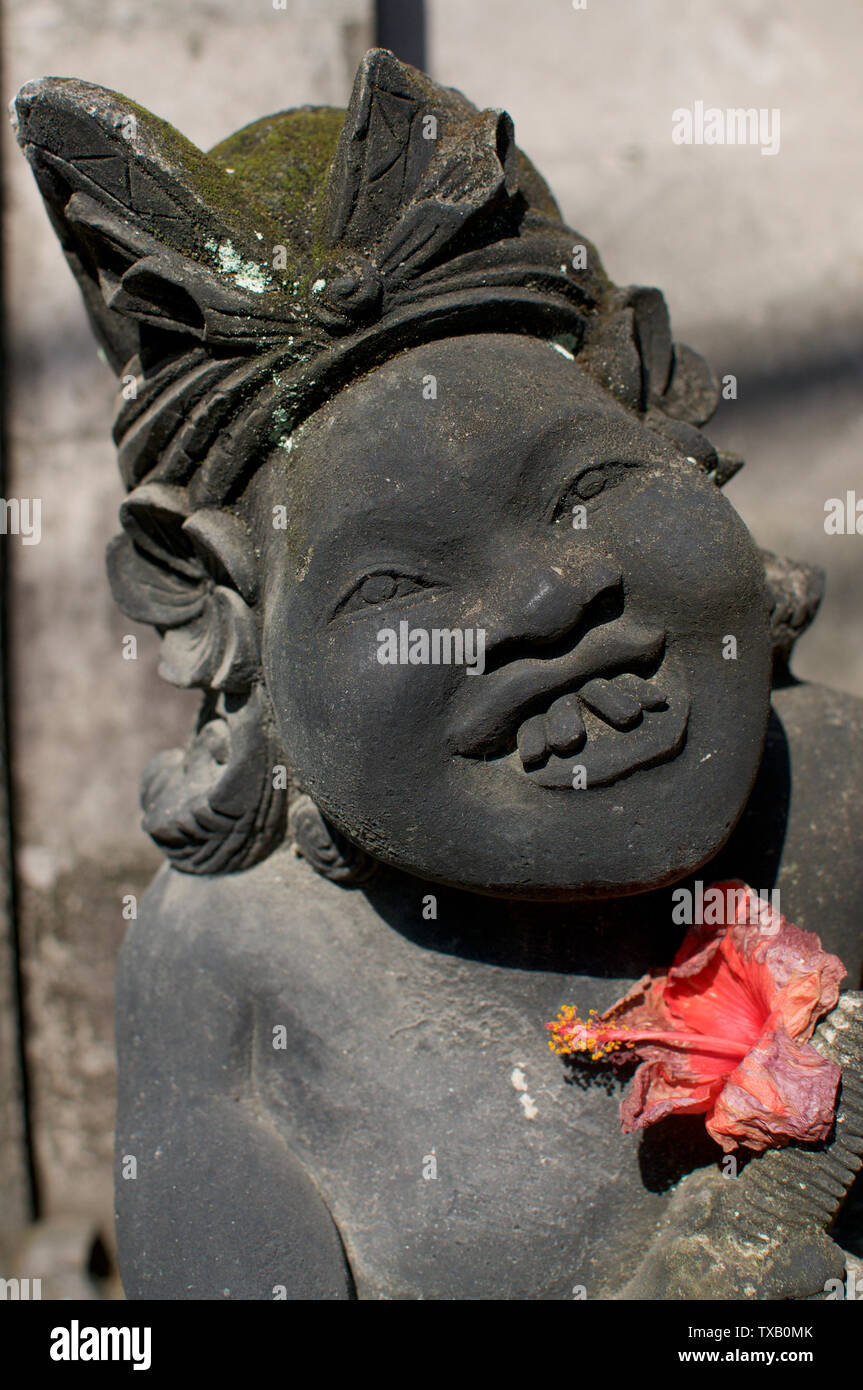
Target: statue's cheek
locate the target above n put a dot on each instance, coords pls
(686, 555)
(351, 679)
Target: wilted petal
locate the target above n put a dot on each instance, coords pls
(641, 1006)
(790, 961)
(782, 1092)
(807, 977)
(655, 1093)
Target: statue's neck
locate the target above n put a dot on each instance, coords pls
(623, 937)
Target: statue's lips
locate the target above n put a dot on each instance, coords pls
(615, 703)
(498, 702)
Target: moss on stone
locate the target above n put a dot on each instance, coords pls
(283, 160)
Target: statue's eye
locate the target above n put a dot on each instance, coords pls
(590, 482)
(375, 589)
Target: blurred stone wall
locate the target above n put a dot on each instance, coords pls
(84, 720)
(760, 261)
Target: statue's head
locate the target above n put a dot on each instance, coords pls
(417, 497)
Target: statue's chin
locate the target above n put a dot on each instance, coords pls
(549, 867)
(558, 892)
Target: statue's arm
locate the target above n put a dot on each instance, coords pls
(218, 1207)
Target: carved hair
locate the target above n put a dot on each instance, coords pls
(234, 292)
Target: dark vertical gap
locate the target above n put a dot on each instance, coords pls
(6, 790)
(401, 27)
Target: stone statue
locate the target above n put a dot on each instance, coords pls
(420, 501)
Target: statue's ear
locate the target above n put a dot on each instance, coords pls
(219, 805)
(192, 576)
(156, 232)
(795, 592)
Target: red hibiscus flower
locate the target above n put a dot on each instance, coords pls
(724, 1032)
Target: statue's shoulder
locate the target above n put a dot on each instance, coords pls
(197, 933)
(824, 727)
(824, 733)
(818, 749)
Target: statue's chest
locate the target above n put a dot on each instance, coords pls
(456, 1154)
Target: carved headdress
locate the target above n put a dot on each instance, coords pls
(233, 292)
(239, 288)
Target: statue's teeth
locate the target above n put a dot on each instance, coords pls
(648, 695)
(564, 725)
(611, 703)
(532, 742)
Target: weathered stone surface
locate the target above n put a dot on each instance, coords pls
(422, 251)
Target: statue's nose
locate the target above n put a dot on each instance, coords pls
(545, 603)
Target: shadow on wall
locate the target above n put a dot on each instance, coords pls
(770, 386)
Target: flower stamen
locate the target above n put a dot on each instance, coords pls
(601, 1038)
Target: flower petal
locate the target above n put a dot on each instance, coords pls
(655, 1093)
(782, 1092)
(807, 977)
(792, 957)
(641, 1006)
(724, 996)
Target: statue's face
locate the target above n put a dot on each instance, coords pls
(605, 733)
